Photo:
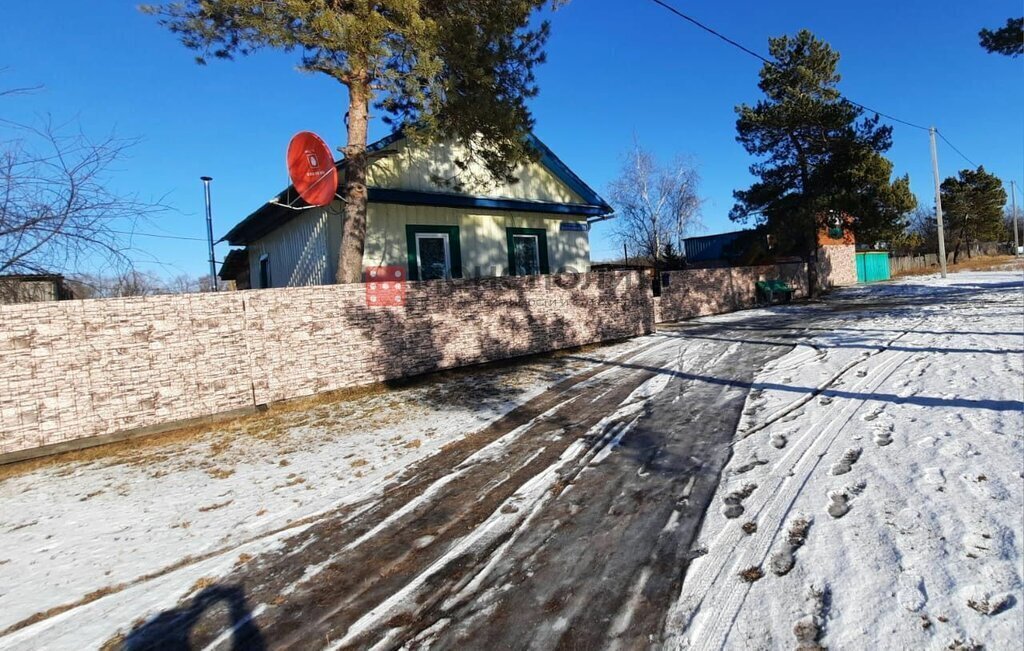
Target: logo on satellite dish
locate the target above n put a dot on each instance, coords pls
(311, 169)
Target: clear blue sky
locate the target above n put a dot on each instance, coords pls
(615, 69)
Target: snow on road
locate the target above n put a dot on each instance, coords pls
(874, 498)
(148, 521)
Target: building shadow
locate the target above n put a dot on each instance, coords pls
(172, 629)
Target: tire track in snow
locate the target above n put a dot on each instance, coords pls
(772, 502)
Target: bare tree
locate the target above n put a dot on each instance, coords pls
(57, 212)
(655, 205)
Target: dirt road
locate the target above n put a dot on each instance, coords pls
(568, 523)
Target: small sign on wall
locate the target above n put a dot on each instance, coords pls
(574, 226)
(385, 286)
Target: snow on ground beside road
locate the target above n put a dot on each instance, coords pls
(70, 531)
(875, 495)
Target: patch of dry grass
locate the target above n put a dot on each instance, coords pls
(214, 507)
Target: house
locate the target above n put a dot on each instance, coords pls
(736, 248)
(34, 288)
(538, 225)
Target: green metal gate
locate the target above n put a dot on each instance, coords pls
(872, 266)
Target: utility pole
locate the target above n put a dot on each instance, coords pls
(209, 231)
(1013, 202)
(938, 203)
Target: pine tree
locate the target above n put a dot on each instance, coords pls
(1007, 40)
(816, 151)
(455, 70)
(972, 203)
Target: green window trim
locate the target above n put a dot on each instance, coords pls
(454, 249)
(542, 244)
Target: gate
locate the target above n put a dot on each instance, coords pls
(872, 266)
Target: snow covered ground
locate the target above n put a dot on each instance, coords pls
(874, 499)
(147, 521)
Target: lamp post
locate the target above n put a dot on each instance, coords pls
(209, 231)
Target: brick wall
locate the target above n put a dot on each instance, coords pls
(80, 369)
(699, 292)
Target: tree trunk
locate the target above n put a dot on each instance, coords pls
(956, 248)
(353, 238)
(812, 265)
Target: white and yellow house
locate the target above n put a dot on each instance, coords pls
(538, 225)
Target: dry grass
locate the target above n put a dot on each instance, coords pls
(981, 263)
(214, 507)
(752, 574)
(202, 584)
(220, 473)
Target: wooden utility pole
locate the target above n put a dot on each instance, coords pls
(938, 203)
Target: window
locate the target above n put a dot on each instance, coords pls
(527, 255)
(264, 271)
(527, 251)
(433, 256)
(434, 252)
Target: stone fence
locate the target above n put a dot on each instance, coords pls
(699, 292)
(78, 373)
(75, 373)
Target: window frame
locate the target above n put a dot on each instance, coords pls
(454, 248)
(542, 247)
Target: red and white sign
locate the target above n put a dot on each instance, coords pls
(385, 286)
(311, 168)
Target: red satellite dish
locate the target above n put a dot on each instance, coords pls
(311, 168)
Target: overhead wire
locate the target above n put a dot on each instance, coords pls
(769, 62)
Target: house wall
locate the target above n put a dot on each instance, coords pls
(481, 235)
(416, 168)
(72, 371)
(304, 251)
(14, 290)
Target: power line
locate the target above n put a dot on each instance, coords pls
(163, 237)
(754, 54)
(972, 163)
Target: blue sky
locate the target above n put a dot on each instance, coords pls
(615, 69)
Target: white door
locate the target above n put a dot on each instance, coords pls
(433, 258)
(526, 249)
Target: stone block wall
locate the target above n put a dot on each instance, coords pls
(700, 292)
(837, 265)
(82, 369)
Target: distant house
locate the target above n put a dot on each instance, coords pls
(536, 226)
(726, 249)
(34, 288)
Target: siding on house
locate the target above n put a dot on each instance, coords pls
(411, 168)
(481, 235)
(304, 251)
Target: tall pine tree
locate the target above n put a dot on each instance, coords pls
(972, 203)
(816, 152)
(458, 70)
